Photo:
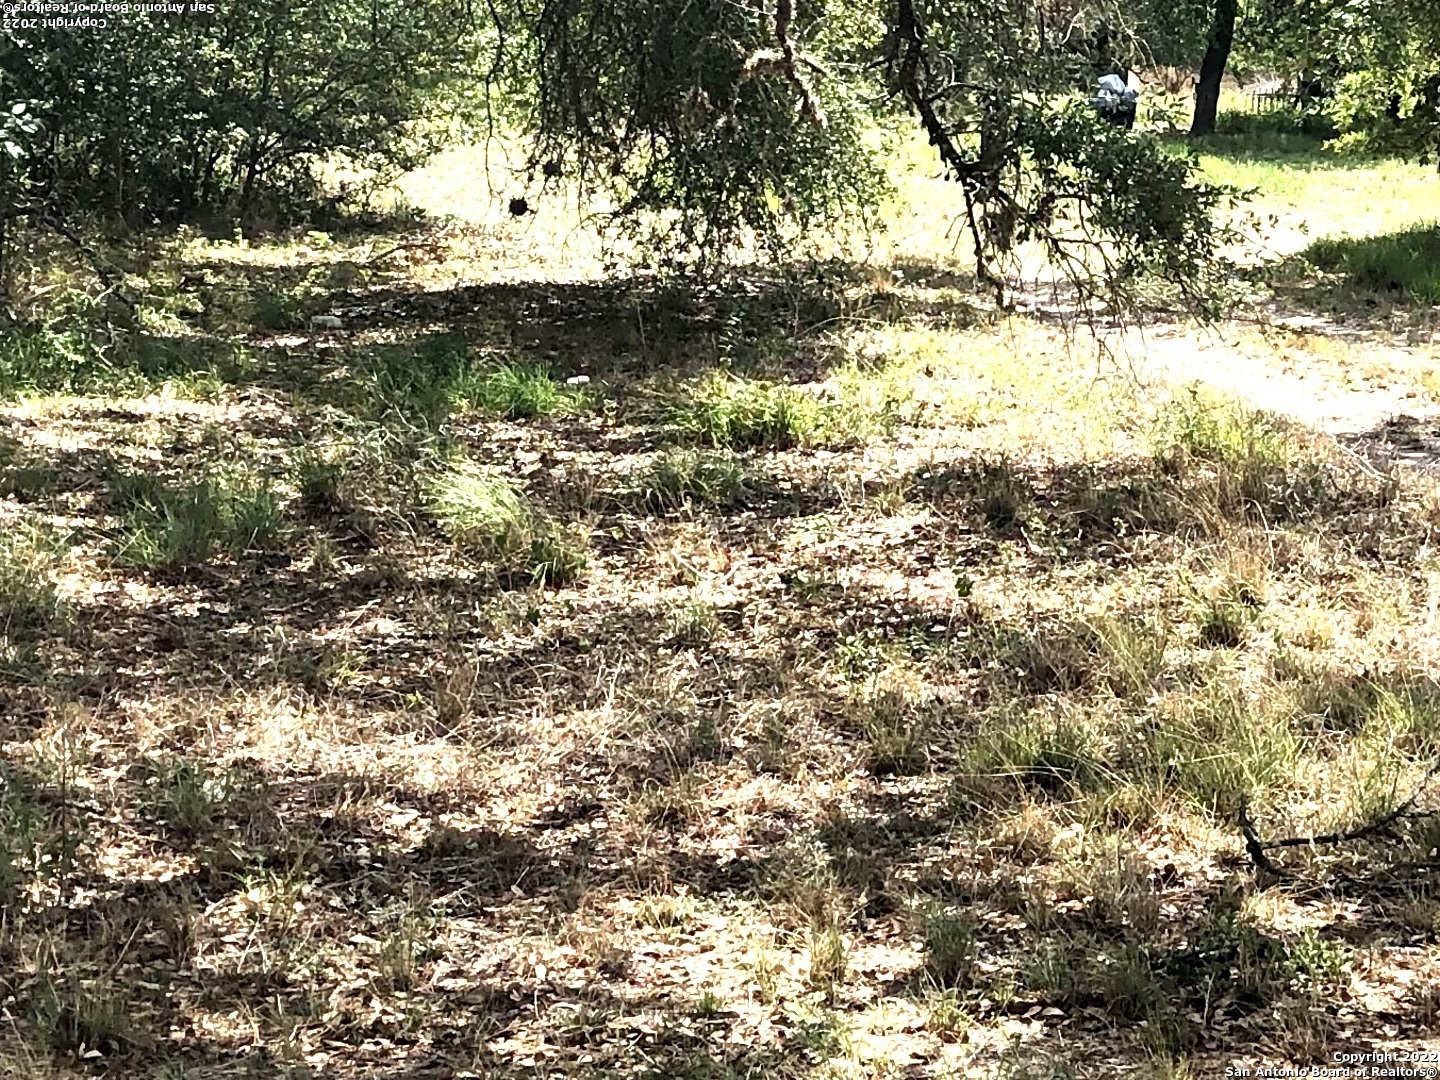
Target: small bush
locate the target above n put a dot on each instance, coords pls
(724, 410)
(681, 476)
(481, 510)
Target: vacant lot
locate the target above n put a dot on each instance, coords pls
(553, 673)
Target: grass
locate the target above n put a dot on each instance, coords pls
(29, 600)
(728, 411)
(167, 528)
(682, 476)
(1403, 264)
(482, 510)
(890, 701)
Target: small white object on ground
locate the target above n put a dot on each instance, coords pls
(577, 380)
(326, 322)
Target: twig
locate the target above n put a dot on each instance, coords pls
(1253, 847)
(1257, 848)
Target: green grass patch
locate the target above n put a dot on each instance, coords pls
(438, 375)
(1202, 426)
(481, 511)
(519, 390)
(724, 410)
(1404, 264)
(169, 528)
(682, 476)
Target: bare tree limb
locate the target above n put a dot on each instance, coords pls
(1257, 848)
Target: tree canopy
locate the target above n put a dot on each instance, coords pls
(705, 123)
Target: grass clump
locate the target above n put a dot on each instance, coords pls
(518, 390)
(482, 511)
(29, 601)
(949, 939)
(169, 528)
(1199, 426)
(1404, 263)
(727, 411)
(682, 476)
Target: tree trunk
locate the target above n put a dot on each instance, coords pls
(1212, 67)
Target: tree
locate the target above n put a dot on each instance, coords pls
(1212, 67)
(701, 125)
(717, 124)
(167, 117)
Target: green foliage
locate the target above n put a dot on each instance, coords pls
(170, 528)
(231, 111)
(684, 114)
(1201, 426)
(482, 511)
(1147, 218)
(1404, 264)
(1374, 66)
(478, 507)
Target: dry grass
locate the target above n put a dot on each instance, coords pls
(898, 729)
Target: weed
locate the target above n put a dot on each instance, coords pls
(895, 737)
(558, 552)
(1252, 450)
(1221, 747)
(410, 942)
(692, 621)
(479, 508)
(828, 958)
(947, 1015)
(1133, 653)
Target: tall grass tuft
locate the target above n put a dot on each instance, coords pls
(482, 511)
(170, 528)
(727, 411)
